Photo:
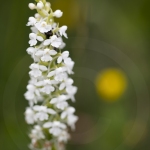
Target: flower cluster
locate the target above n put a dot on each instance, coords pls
(50, 87)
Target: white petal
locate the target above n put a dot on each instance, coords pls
(52, 73)
(71, 110)
(47, 42)
(30, 50)
(32, 42)
(40, 83)
(63, 126)
(59, 60)
(39, 53)
(34, 66)
(36, 108)
(56, 43)
(55, 131)
(52, 89)
(51, 111)
(63, 115)
(39, 38)
(53, 101)
(62, 45)
(43, 68)
(62, 86)
(32, 36)
(69, 81)
(62, 31)
(34, 29)
(47, 89)
(35, 73)
(48, 28)
(47, 125)
(54, 82)
(72, 119)
(65, 54)
(52, 52)
(46, 58)
(62, 105)
(31, 22)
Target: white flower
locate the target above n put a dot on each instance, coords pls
(62, 105)
(40, 5)
(54, 41)
(39, 53)
(44, 109)
(47, 53)
(66, 83)
(48, 88)
(60, 74)
(56, 131)
(33, 39)
(62, 31)
(58, 13)
(69, 64)
(63, 137)
(31, 22)
(33, 51)
(71, 90)
(29, 116)
(67, 112)
(56, 127)
(36, 134)
(42, 112)
(60, 102)
(62, 43)
(43, 27)
(63, 56)
(30, 93)
(37, 70)
(34, 30)
(71, 120)
(33, 94)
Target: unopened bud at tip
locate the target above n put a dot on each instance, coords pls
(40, 5)
(31, 6)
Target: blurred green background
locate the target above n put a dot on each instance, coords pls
(103, 34)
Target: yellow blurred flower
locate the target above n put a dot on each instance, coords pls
(71, 11)
(111, 84)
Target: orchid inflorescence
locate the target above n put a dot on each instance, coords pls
(50, 87)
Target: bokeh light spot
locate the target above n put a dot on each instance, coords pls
(111, 84)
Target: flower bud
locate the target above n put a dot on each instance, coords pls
(48, 4)
(31, 6)
(40, 5)
(58, 13)
(37, 15)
